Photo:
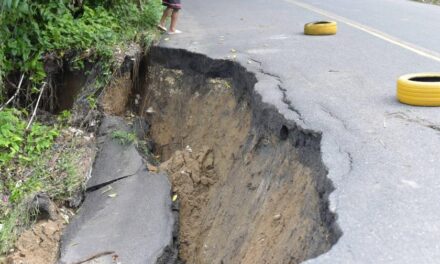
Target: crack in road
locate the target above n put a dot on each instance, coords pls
(285, 99)
(334, 116)
(101, 185)
(271, 75)
(350, 160)
(419, 121)
(289, 104)
(256, 61)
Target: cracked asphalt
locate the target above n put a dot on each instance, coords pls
(126, 215)
(382, 156)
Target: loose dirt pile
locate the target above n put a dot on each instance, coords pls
(38, 245)
(191, 174)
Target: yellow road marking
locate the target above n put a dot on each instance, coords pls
(379, 34)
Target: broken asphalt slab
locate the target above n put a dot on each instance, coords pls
(114, 161)
(131, 216)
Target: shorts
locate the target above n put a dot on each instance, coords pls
(174, 4)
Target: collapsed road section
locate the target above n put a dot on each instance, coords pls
(251, 185)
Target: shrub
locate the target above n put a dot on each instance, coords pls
(30, 30)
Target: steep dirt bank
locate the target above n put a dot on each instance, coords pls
(251, 185)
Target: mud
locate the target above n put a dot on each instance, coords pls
(251, 185)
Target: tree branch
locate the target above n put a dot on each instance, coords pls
(15, 95)
(36, 106)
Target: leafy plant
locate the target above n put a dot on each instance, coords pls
(11, 134)
(93, 104)
(64, 117)
(55, 171)
(39, 139)
(16, 141)
(34, 30)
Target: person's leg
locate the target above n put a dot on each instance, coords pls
(165, 15)
(174, 17)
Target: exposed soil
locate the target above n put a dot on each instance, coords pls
(119, 93)
(116, 96)
(191, 175)
(251, 186)
(38, 245)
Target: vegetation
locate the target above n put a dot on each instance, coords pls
(46, 158)
(15, 141)
(124, 137)
(34, 32)
(24, 172)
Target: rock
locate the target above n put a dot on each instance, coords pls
(43, 205)
(76, 199)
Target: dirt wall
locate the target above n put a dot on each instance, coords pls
(264, 194)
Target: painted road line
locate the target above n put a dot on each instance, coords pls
(372, 31)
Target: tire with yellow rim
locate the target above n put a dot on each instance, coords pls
(321, 28)
(420, 89)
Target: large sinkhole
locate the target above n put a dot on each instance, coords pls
(251, 185)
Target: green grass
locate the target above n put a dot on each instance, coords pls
(36, 165)
(16, 219)
(124, 137)
(59, 181)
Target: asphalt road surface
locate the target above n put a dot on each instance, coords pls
(383, 156)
